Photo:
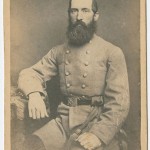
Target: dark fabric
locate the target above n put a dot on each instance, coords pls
(33, 142)
(83, 100)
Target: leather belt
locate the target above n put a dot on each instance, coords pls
(74, 101)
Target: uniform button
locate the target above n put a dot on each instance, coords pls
(83, 86)
(85, 75)
(86, 63)
(67, 52)
(68, 85)
(66, 62)
(83, 96)
(90, 42)
(67, 73)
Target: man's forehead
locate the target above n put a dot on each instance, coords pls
(81, 4)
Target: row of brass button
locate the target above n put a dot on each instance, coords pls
(68, 73)
(67, 52)
(84, 75)
(83, 85)
(86, 63)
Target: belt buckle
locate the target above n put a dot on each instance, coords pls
(84, 101)
(76, 101)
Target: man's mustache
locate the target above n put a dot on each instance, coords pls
(79, 22)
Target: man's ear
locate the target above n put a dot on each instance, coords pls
(96, 16)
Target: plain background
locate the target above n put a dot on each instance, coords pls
(37, 26)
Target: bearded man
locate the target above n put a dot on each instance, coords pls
(93, 81)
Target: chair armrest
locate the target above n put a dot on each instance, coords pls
(19, 104)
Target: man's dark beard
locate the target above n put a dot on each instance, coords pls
(79, 33)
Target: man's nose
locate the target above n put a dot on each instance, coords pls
(79, 15)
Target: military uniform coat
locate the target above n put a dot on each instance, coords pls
(97, 68)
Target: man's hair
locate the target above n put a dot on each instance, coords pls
(94, 6)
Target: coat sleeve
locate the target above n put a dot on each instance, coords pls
(34, 79)
(116, 98)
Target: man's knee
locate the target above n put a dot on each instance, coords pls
(52, 135)
(33, 142)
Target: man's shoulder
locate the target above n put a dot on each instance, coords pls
(106, 43)
(59, 47)
(57, 50)
(107, 46)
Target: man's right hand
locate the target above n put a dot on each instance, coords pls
(36, 106)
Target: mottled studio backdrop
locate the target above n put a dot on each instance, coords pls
(38, 25)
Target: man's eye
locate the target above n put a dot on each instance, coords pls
(73, 10)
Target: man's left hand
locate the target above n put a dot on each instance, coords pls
(89, 141)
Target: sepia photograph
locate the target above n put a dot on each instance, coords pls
(76, 73)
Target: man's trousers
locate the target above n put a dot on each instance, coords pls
(55, 133)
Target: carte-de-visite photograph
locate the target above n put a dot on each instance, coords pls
(75, 75)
